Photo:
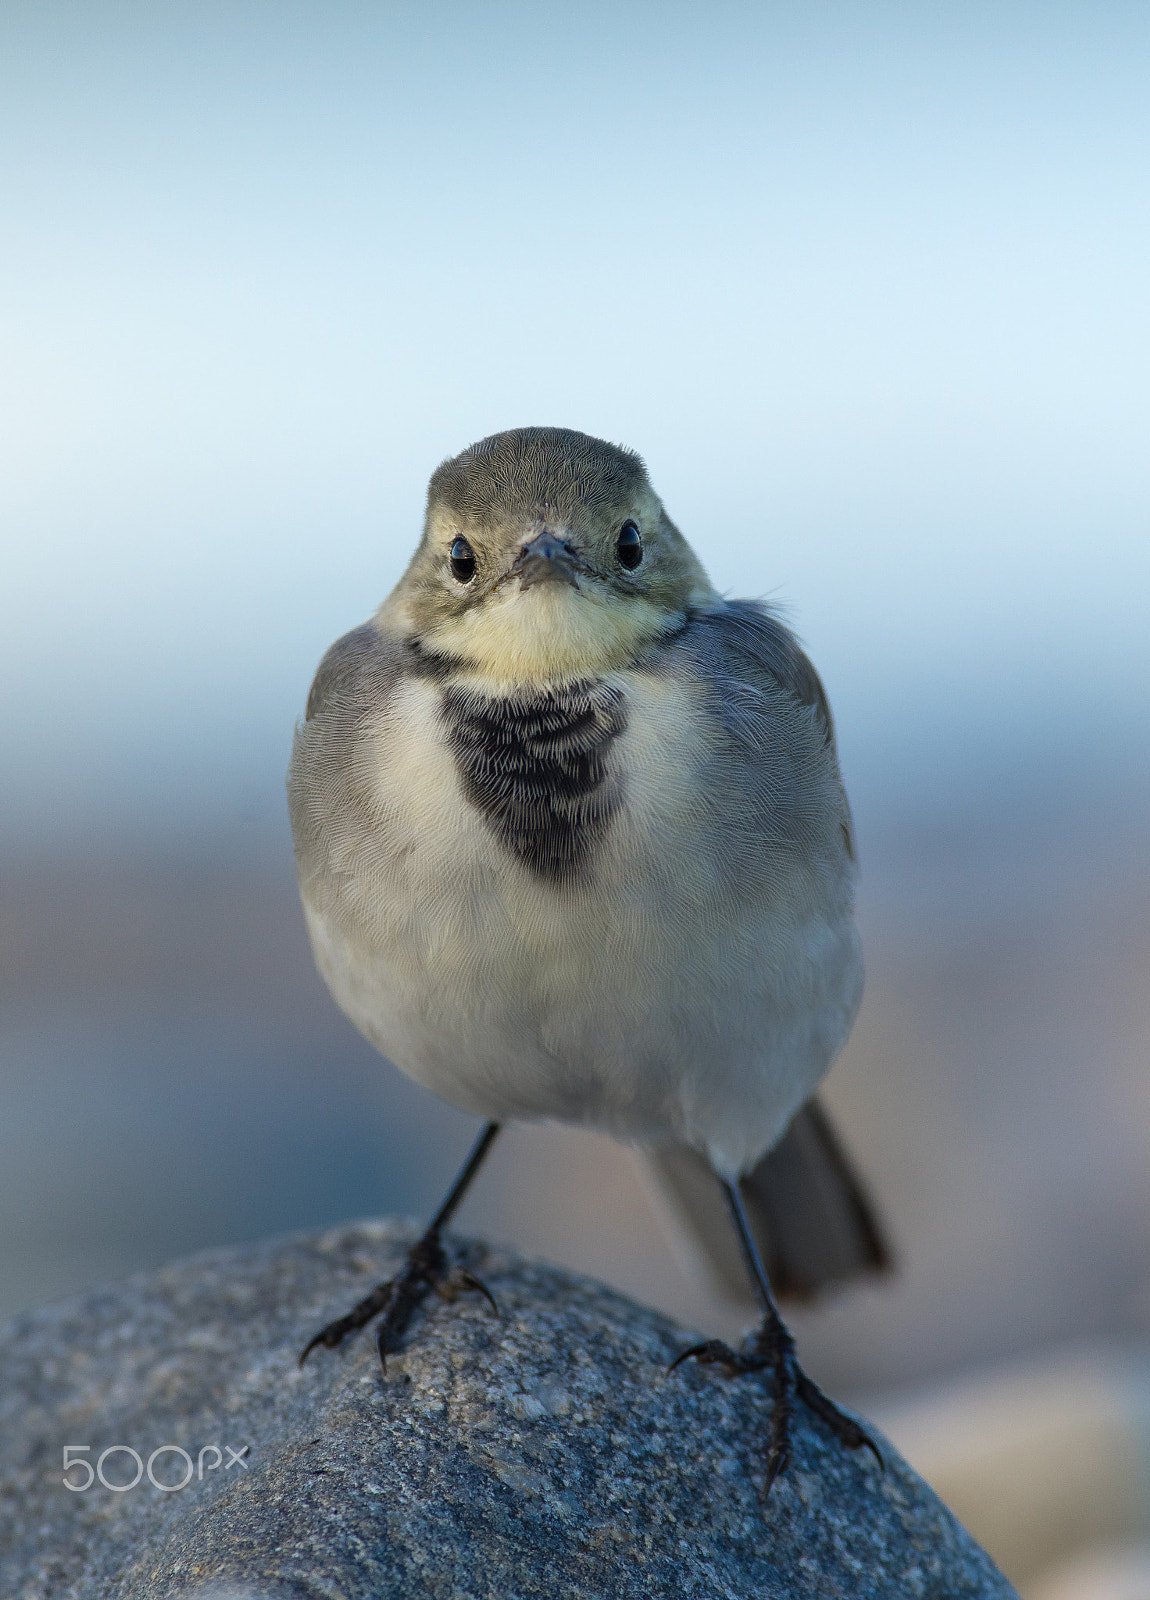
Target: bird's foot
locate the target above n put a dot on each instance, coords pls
(425, 1269)
(773, 1350)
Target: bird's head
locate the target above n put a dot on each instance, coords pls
(546, 555)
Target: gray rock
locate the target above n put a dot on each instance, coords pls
(541, 1452)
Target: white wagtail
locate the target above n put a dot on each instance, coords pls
(573, 843)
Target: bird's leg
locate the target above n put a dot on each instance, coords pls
(773, 1350)
(425, 1268)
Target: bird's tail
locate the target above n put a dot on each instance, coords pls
(810, 1213)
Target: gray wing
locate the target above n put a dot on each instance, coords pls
(743, 644)
(813, 1220)
(810, 1212)
(359, 662)
(754, 641)
(329, 797)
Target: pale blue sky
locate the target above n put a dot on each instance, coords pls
(867, 285)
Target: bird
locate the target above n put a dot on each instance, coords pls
(573, 844)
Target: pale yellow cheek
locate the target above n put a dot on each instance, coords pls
(549, 632)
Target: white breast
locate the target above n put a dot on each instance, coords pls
(674, 993)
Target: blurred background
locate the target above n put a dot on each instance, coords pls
(867, 287)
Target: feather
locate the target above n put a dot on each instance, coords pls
(812, 1218)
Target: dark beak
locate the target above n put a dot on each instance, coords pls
(545, 560)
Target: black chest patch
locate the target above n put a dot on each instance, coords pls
(535, 766)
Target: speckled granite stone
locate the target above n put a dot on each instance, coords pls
(540, 1452)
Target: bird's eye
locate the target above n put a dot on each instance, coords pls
(462, 561)
(629, 546)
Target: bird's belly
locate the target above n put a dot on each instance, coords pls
(643, 998)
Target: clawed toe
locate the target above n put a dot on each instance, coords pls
(362, 1312)
(460, 1281)
(714, 1353)
(425, 1269)
(852, 1434)
(773, 1350)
